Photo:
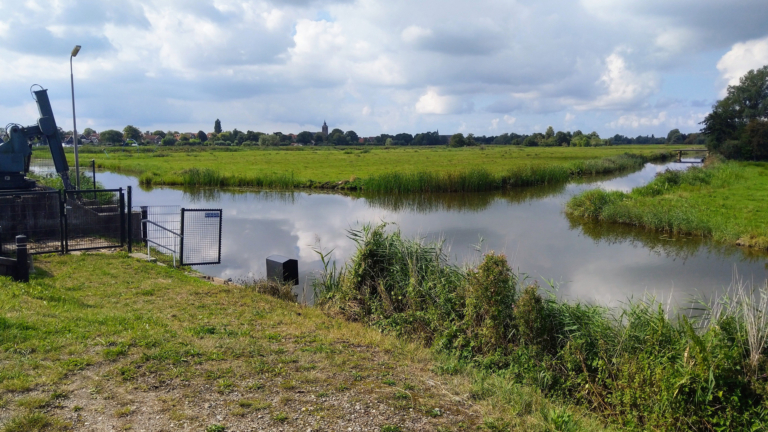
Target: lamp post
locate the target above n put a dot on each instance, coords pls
(74, 121)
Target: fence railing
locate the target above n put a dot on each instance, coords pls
(57, 221)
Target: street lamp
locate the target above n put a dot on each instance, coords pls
(75, 50)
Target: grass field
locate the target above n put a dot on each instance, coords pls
(370, 168)
(108, 342)
(727, 201)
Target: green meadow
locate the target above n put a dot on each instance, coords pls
(399, 169)
(727, 201)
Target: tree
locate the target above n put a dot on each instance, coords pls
(304, 137)
(389, 142)
(217, 127)
(202, 136)
(457, 140)
(352, 137)
(269, 140)
(169, 140)
(111, 136)
(319, 138)
(561, 138)
(159, 133)
(88, 132)
(675, 137)
(550, 133)
(131, 132)
(744, 103)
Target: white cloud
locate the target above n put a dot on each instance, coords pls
(509, 119)
(569, 117)
(415, 33)
(494, 124)
(635, 121)
(742, 58)
(623, 87)
(432, 102)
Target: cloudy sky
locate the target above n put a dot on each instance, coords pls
(482, 66)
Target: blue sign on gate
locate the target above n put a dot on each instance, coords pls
(212, 215)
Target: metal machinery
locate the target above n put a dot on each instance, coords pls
(16, 152)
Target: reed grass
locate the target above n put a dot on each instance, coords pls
(641, 366)
(724, 201)
(482, 180)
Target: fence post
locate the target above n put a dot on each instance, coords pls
(22, 259)
(65, 217)
(144, 214)
(61, 221)
(122, 217)
(93, 171)
(181, 240)
(130, 221)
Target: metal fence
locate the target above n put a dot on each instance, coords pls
(160, 228)
(95, 219)
(38, 215)
(56, 221)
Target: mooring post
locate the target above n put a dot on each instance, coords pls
(22, 257)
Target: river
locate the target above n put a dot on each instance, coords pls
(591, 262)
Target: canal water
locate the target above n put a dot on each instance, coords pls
(591, 262)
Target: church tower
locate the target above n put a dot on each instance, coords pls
(325, 129)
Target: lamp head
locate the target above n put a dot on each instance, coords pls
(75, 50)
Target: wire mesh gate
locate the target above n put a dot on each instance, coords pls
(56, 221)
(192, 235)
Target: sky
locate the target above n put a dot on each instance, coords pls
(487, 67)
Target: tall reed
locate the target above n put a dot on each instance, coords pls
(639, 365)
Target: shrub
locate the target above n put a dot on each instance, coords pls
(490, 301)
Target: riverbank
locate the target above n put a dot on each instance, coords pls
(390, 170)
(726, 201)
(112, 342)
(641, 367)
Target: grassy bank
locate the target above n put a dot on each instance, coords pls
(727, 201)
(635, 366)
(376, 169)
(122, 344)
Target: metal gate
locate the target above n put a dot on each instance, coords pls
(94, 219)
(200, 236)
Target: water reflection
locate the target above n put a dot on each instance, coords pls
(589, 261)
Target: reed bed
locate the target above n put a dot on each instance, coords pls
(207, 177)
(482, 180)
(641, 366)
(699, 201)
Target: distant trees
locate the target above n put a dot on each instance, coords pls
(319, 138)
(304, 137)
(217, 127)
(269, 140)
(159, 133)
(202, 136)
(131, 132)
(736, 127)
(457, 140)
(168, 140)
(351, 137)
(111, 136)
(88, 132)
